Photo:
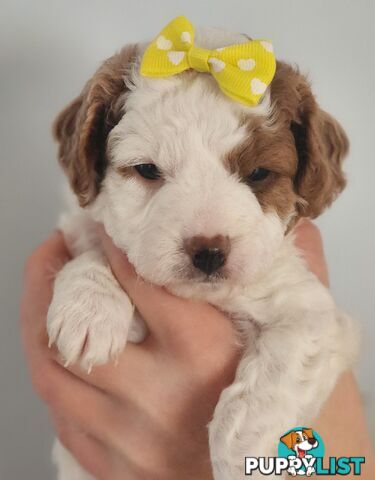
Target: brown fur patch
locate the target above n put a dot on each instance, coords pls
(320, 141)
(275, 151)
(83, 126)
(303, 148)
(290, 439)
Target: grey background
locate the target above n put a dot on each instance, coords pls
(48, 49)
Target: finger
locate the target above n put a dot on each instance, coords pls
(84, 405)
(38, 287)
(87, 406)
(90, 453)
(40, 270)
(126, 377)
(46, 260)
(309, 242)
(66, 393)
(94, 456)
(102, 418)
(162, 311)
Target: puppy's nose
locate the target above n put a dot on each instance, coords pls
(208, 254)
(312, 441)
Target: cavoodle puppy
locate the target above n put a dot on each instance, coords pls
(202, 192)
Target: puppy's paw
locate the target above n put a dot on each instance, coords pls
(310, 471)
(89, 316)
(292, 470)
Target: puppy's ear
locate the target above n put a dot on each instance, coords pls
(288, 440)
(82, 128)
(308, 432)
(321, 145)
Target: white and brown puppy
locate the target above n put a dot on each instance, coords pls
(301, 442)
(201, 193)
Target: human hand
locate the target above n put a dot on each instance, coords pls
(147, 417)
(309, 242)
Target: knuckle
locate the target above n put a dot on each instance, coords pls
(150, 461)
(211, 373)
(214, 364)
(216, 372)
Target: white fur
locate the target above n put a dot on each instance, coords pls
(69, 469)
(296, 341)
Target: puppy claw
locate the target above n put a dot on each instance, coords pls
(67, 363)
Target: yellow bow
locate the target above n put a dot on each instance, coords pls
(243, 71)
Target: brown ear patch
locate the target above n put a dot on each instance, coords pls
(322, 146)
(301, 145)
(308, 432)
(289, 439)
(83, 126)
(320, 141)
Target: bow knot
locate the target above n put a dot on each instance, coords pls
(243, 72)
(198, 59)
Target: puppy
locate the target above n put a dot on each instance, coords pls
(202, 193)
(301, 441)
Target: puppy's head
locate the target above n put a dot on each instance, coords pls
(197, 189)
(300, 441)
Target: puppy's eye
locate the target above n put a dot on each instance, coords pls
(258, 175)
(298, 440)
(148, 170)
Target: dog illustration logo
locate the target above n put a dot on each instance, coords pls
(303, 444)
(301, 452)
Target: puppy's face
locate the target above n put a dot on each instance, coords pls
(185, 192)
(301, 441)
(197, 189)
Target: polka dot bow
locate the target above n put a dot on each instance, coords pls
(243, 72)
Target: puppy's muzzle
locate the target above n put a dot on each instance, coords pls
(208, 254)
